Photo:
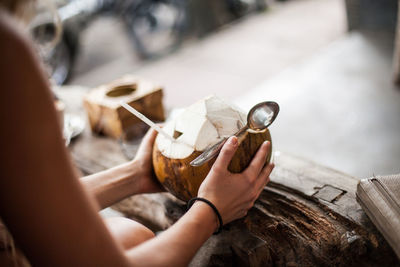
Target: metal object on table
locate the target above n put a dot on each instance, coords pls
(73, 126)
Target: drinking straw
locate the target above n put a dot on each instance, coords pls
(146, 120)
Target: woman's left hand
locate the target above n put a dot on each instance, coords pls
(148, 182)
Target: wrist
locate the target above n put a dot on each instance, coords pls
(114, 184)
(134, 175)
(207, 214)
(126, 177)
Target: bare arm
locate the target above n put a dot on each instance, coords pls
(135, 177)
(178, 245)
(48, 212)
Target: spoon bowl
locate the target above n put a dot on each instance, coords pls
(262, 115)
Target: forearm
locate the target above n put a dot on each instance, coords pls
(177, 245)
(115, 184)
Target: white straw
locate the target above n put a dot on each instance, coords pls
(146, 120)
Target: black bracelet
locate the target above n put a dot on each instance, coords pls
(190, 203)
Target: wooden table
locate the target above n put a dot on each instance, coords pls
(308, 214)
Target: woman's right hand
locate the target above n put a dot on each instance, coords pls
(235, 193)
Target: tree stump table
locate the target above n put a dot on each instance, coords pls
(306, 216)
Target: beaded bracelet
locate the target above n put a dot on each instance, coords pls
(190, 203)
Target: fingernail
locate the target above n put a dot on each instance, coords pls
(233, 140)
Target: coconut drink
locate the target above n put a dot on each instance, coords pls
(196, 128)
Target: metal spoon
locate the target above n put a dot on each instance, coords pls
(259, 117)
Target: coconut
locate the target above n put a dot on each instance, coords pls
(196, 128)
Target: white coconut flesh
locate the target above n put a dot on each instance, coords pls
(199, 126)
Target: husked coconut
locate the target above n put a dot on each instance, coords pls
(197, 127)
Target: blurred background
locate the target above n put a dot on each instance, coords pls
(332, 65)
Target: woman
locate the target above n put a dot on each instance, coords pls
(53, 215)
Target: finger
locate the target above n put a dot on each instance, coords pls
(263, 177)
(150, 135)
(259, 159)
(148, 139)
(227, 152)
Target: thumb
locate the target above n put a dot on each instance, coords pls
(227, 152)
(147, 141)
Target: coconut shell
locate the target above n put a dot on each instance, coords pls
(183, 180)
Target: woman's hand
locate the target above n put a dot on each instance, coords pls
(234, 194)
(147, 182)
(131, 178)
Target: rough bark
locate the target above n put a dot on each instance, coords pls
(284, 228)
(288, 225)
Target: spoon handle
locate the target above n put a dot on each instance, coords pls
(213, 151)
(208, 154)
